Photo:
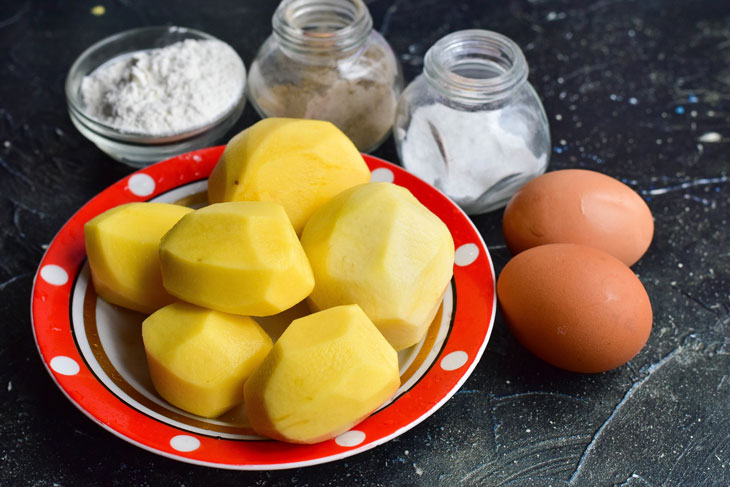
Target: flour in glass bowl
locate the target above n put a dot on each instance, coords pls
(165, 91)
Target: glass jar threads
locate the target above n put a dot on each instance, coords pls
(471, 124)
(324, 61)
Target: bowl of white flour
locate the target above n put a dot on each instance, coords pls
(152, 93)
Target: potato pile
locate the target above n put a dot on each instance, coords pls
(372, 265)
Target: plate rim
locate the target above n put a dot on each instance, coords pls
(346, 452)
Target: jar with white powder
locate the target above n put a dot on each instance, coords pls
(471, 124)
(324, 61)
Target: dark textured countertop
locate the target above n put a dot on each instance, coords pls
(637, 89)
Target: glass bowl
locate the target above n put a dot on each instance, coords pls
(136, 149)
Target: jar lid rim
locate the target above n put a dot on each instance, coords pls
(357, 24)
(478, 49)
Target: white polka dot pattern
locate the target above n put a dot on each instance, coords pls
(454, 360)
(141, 184)
(466, 254)
(350, 438)
(64, 365)
(54, 275)
(184, 443)
(382, 175)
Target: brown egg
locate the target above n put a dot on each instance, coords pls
(582, 207)
(575, 307)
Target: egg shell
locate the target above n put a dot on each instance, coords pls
(575, 307)
(582, 207)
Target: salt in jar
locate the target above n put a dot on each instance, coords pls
(471, 124)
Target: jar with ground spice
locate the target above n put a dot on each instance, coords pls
(324, 61)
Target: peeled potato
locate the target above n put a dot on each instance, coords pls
(239, 257)
(326, 373)
(297, 163)
(377, 246)
(122, 248)
(199, 359)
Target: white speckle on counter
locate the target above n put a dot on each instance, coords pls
(710, 137)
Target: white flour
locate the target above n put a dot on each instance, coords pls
(479, 159)
(165, 91)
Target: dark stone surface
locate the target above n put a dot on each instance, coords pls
(637, 89)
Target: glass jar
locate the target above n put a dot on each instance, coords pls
(471, 124)
(324, 61)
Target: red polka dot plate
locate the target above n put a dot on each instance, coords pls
(93, 350)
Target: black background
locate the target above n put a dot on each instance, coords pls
(632, 89)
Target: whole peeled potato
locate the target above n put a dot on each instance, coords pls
(122, 248)
(581, 207)
(377, 246)
(241, 257)
(327, 372)
(199, 359)
(300, 164)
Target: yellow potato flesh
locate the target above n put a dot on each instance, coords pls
(199, 359)
(300, 164)
(376, 246)
(122, 248)
(327, 372)
(238, 257)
